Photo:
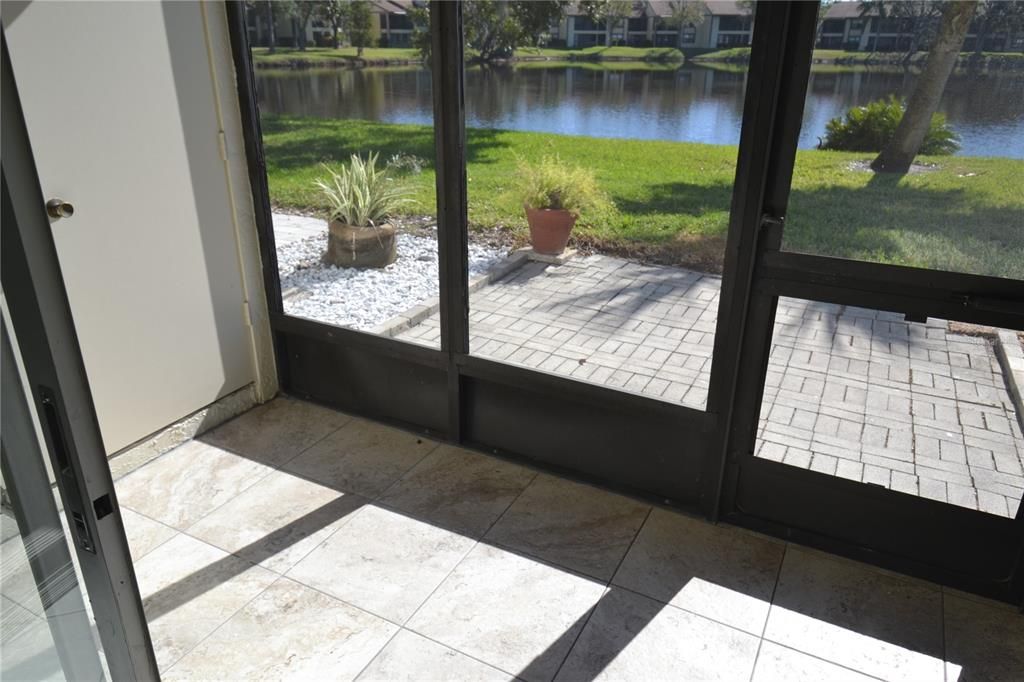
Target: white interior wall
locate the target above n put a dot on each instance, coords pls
(133, 117)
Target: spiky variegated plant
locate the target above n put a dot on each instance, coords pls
(361, 194)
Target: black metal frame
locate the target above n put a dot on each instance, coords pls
(670, 454)
(59, 388)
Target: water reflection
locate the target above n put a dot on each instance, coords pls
(692, 104)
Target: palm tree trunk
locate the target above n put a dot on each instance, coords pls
(897, 156)
(271, 28)
(979, 39)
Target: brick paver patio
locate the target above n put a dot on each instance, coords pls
(850, 392)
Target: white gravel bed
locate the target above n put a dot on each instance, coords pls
(362, 298)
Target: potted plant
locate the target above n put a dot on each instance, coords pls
(362, 198)
(554, 195)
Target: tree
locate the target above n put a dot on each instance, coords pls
(420, 39)
(823, 7)
(332, 12)
(897, 156)
(358, 20)
(300, 18)
(271, 27)
(685, 13)
(490, 28)
(1004, 15)
(919, 16)
(611, 12)
(535, 18)
(493, 28)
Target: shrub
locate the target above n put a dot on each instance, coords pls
(870, 128)
(552, 183)
(360, 194)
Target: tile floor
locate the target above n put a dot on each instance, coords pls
(297, 542)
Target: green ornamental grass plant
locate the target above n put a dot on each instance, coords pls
(360, 194)
(555, 184)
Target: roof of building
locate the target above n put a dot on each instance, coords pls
(392, 6)
(849, 9)
(665, 8)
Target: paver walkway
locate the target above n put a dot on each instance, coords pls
(850, 392)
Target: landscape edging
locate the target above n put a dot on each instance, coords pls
(1011, 357)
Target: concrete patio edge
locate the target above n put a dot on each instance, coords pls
(1011, 357)
(412, 317)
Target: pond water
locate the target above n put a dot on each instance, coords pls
(691, 104)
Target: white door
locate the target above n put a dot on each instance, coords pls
(124, 126)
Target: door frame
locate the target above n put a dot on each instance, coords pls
(668, 454)
(41, 318)
(953, 545)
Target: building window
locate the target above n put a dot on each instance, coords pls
(638, 25)
(689, 34)
(587, 24)
(832, 26)
(400, 22)
(734, 23)
(733, 39)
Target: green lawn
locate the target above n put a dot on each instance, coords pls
(326, 55)
(742, 54)
(673, 198)
(600, 52)
(329, 55)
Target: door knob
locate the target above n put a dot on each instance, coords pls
(58, 208)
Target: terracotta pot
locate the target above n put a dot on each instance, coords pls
(360, 247)
(549, 229)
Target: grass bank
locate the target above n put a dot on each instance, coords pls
(673, 198)
(1007, 60)
(346, 56)
(601, 53)
(327, 56)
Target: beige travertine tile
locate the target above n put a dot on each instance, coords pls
(362, 457)
(862, 619)
(275, 432)
(512, 612)
(16, 581)
(458, 489)
(983, 641)
(571, 524)
(776, 663)
(188, 483)
(143, 533)
(189, 588)
(289, 631)
(722, 573)
(411, 658)
(278, 521)
(631, 637)
(27, 650)
(383, 561)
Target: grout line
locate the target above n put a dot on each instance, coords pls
(771, 604)
(824, 660)
(273, 469)
(154, 547)
(476, 543)
(225, 621)
(607, 591)
(362, 670)
(405, 474)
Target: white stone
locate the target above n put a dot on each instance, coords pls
(363, 298)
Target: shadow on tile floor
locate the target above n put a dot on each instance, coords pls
(295, 540)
